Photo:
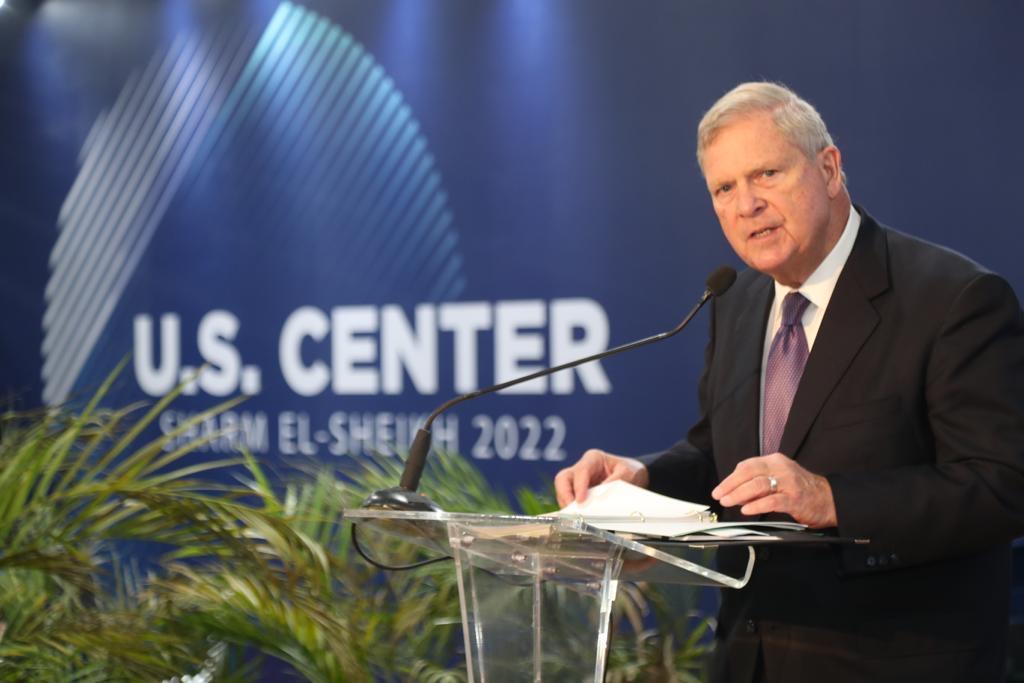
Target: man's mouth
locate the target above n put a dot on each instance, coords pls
(763, 232)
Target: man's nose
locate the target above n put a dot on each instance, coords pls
(749, 202)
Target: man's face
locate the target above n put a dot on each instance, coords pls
(774, 204)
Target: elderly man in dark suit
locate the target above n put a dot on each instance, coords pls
(858, 380)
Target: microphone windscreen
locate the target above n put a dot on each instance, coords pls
(721, 280)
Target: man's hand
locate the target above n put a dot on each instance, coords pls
(804, 496)
(595, 467)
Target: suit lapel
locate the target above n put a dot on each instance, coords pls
(749, 333)
(849, 320)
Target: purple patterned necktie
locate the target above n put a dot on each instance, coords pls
(786, 361)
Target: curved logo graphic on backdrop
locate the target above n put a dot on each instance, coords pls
(317, 144)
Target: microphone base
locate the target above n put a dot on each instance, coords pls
(398, 498)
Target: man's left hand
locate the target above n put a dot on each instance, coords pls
(775, 483)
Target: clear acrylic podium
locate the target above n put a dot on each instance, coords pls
(536, 592)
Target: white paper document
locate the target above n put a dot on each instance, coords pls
(625, 508)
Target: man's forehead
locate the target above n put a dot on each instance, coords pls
(745, 143)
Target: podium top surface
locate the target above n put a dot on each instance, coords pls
(557, 546)
(568, 546)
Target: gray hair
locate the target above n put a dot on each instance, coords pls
(795, 118)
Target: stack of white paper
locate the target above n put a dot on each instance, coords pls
(622, 507)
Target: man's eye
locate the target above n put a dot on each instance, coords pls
(769, 172)
(722, 189)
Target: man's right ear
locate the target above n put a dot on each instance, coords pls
(830, 163)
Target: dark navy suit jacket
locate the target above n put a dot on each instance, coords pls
(912, 405)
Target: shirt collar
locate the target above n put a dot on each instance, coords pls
(819, 286)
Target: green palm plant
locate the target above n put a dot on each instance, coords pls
(329, 615)
(255, 566)
(69, 490)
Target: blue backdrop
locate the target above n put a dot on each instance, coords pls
(354, 210)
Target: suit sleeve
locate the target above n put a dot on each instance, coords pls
(687, 469)
(971, 496)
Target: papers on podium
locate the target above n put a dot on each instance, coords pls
(624, 508)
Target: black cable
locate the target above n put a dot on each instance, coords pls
(389, 567)
(528, 581)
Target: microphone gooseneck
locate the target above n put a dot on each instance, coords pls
(405, 497)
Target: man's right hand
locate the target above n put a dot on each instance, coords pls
(593, 468)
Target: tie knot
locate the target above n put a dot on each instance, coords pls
(793, 307)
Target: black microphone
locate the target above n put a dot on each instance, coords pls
(405, 496)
